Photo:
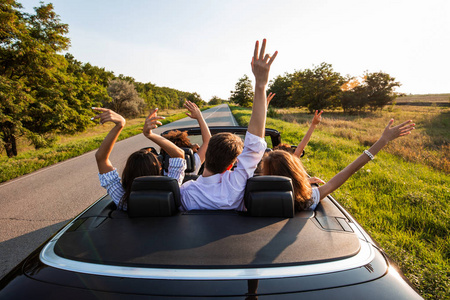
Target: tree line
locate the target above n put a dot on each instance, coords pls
(323, 88)
(43, 92)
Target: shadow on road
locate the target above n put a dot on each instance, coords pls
(13, 251)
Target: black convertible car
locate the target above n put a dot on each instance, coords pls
(156, 252)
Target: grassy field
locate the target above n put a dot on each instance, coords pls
(402, 198)
(427, 100)
(69, 146)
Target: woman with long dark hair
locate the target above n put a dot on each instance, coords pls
(139, 163)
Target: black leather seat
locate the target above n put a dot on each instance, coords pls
(154, 196)
(188, 155)
(269, 196)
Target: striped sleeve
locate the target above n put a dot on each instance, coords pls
(177, 166)
(111, 182)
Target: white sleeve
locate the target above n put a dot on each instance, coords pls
(247, 161)
(315, 197)
(198, 163)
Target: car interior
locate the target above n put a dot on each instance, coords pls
(154, 233)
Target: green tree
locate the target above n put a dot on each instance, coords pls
(215, 101)
(380, 89)
(124, 98)
(281, 87)
(194, 97)
(375, 92)
(32, 76)
(354, 100)
(83, 88)
(12, 95)
(243, 93)
(316, 89)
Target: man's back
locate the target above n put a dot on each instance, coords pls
(225, 190)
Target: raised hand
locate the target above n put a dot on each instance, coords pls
(194, 111)
(151, 122)
(391, 133)
(102, 155)
(261, 63)
(269, 98)
(108, 115)
(317, 118)
(315, 180)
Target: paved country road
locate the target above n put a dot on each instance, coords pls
(35, 206)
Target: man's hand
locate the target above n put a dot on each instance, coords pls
(261, 64)
(108, 115)
(151, 122)
(195, 112)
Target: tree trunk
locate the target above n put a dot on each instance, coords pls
(9, 140)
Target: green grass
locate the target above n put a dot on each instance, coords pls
(72, 146)
(403, 204)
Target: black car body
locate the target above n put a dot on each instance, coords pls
(155, 251)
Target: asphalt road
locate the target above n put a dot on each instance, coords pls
(35, 206)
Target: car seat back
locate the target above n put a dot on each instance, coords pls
(153, 196)
(269, 196)
(188, 155)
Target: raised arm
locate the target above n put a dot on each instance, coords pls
(389, 134)
(302, 145)
(151, 122)
(195, 113)
(103, 152)
(260, 67)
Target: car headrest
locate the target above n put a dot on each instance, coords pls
(151, 149)
(270, 196)
(153, 196)
(188, 155)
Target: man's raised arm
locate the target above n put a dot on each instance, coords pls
(261, 63)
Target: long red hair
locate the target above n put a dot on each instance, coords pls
(282, 163)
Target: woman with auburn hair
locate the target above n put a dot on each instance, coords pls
(140, 163)
(181, 139)
(283, 163)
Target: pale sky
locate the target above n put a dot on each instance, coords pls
(205, 46)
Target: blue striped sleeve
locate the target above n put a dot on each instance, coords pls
(111, 182)
(177, 166)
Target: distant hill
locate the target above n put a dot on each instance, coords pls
(424, 100)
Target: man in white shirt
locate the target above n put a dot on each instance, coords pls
(218, 187)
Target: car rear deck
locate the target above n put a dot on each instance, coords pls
(106, 238)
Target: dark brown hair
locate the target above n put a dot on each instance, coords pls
(179, 138)
(223, 148)
(139, 163)
(282, 163)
